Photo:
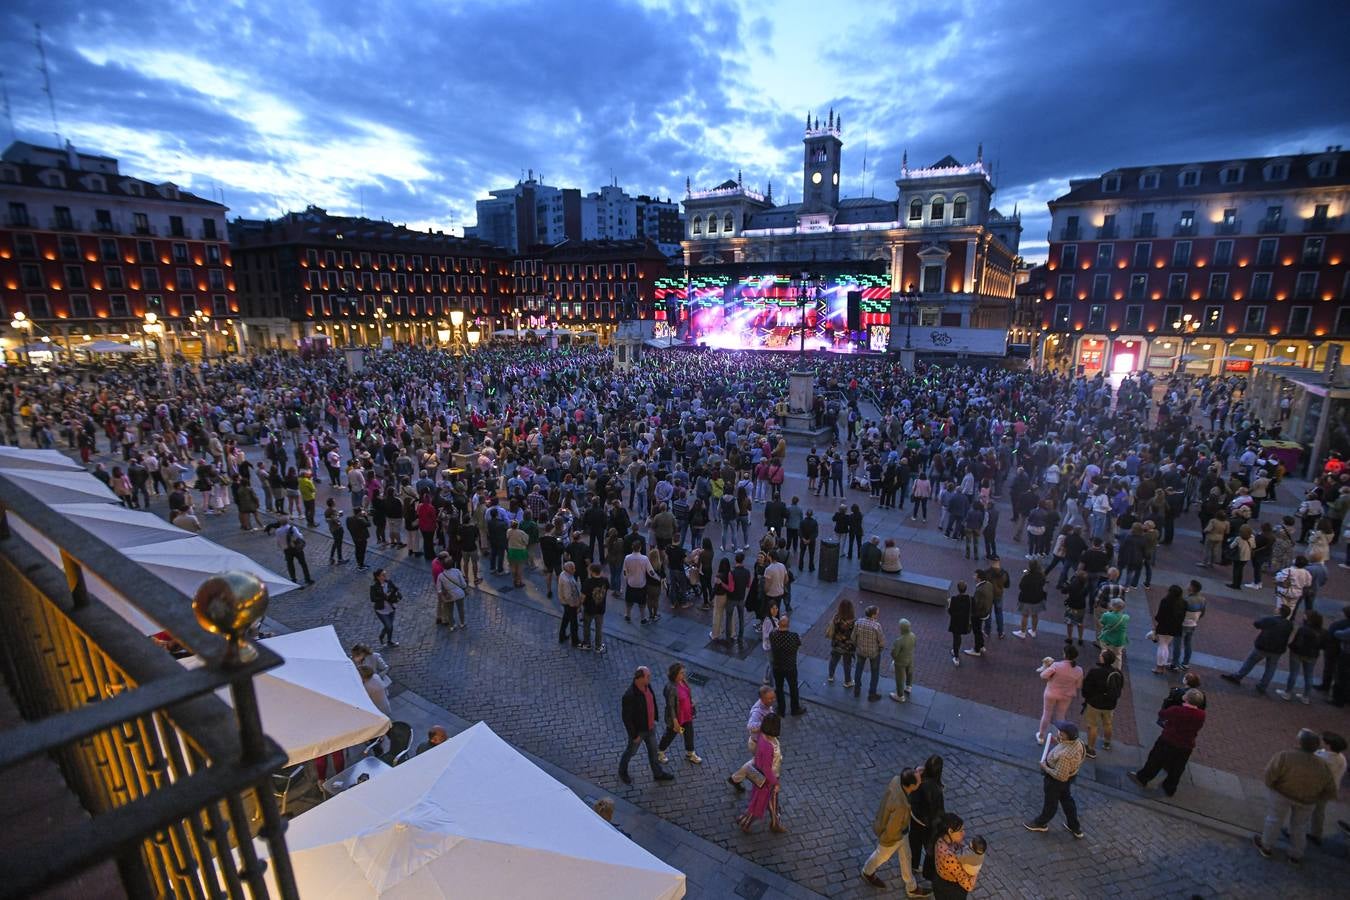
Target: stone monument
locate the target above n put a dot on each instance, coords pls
(800, 420)
(629, 340)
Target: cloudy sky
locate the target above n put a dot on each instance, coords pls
(412, 110)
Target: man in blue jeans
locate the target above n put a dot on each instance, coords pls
(1269, 645)
(639, 718)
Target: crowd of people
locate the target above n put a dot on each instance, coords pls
(666, 488)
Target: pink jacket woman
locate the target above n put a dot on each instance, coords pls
(1063, 680)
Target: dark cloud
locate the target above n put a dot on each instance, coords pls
(418, 108)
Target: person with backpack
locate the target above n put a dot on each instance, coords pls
(292, 545)
(1101, 692)
(451, 589)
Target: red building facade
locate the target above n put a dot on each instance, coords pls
(1205, 267)
(86, 251)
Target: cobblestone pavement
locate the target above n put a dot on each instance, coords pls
(508, 670)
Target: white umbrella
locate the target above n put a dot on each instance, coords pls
(23, 458)
(119, 526)
(469, 818)
(59, 485)
(187, 563)
(314, 703)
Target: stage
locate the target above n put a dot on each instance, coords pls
(771, 312)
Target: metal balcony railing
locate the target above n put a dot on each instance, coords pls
(1106, 232)
(1184, 229)
(1069, 234)
(176, 783)
(1232, 227)
(106, 228)
(143, 229)
(1271, 226)
(18, 221)
(56, 223)
(1145, 230)
(1321, 223)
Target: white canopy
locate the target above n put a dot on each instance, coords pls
(119, 526)
(470, 818)
(187, 563)
(314, 703)
(107, 347)
(23, 458)
(60, 486)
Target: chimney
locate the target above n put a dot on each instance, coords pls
(72, 158)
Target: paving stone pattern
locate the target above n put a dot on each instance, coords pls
(508, 670)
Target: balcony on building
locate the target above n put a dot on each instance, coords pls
(1184, 229)
(1321, 223)
(1232, 227)
(64, 223)
(1145, 230)
(106, 228)
(160, 784)
(1271, 226)
(18, 220)
(144, 229)
(1069, 233)
(1106, 232)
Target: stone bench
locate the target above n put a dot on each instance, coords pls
(907, 586)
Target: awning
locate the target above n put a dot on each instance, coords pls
(471, 817)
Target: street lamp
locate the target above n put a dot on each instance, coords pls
(803, 294)
(200, 319)
(24, 326)
(380, 315)
(909, 297)
(154, 328)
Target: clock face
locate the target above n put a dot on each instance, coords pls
(835, 178)
(815, 178)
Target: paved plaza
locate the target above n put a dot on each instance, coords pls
(562, 706)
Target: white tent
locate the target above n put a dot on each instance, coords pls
(23, 458)
(187, 563)
(60, 486)
(470, 818)
(107, 347)
(119, 526)
(314, 703)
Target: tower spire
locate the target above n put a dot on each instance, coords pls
(839, 123)
(688, 187)
(808, 120)
(904, 160)
(979, 152)
(769, 195)
(831, 117)
(740, 182)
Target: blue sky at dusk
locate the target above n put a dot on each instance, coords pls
(416, 109)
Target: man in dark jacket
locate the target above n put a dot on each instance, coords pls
(1269, 646)
(639, 718)
(358, 526)
(740, 581)
(1101, 692)
(810, 530)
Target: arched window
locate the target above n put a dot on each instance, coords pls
(727, 224)
(936, 212)
(959, 208)
(698, 225)
(712, 224)
(915, 210)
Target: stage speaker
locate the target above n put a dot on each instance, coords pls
(855, 310)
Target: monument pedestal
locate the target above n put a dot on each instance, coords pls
(907, 360)
(800, 419)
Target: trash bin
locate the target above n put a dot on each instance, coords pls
(829, 560)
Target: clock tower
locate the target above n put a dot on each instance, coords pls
(820, 164)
